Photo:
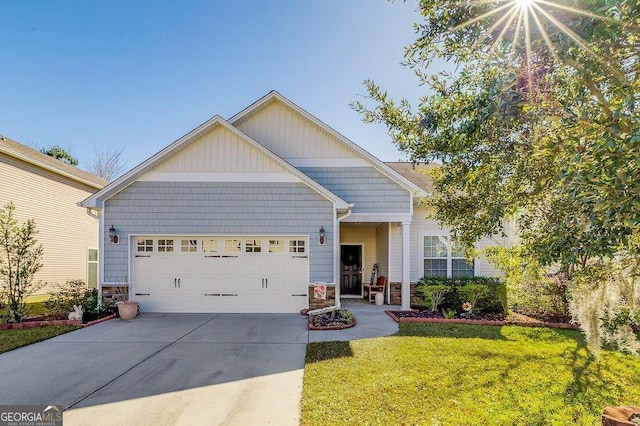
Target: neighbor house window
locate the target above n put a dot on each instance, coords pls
(296, 246)
(92, 268)
(165, 246)
(444, 258)
(189, 246)
(144, 246)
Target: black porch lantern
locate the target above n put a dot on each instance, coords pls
(112, 235)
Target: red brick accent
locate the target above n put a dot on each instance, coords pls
(35, 324)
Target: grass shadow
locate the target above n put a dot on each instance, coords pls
(322, 351)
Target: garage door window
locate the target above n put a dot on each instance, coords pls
(145, 246)
(189, 246)
(232, 246)
(210, 246)
(253, 246)
(276, 246)
(165, 246)
(296, 246)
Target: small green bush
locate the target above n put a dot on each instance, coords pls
(433, 295)
(489, 302)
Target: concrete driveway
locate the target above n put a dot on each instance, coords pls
(166, 369)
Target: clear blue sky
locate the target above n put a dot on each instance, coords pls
(140, 74)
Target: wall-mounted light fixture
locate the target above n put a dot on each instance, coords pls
(112, 235)
(321, 236)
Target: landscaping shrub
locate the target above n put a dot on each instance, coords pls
(433, 295)
(487, 301)
(531, 289)
(75, 292)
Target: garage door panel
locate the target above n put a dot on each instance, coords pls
(223, 274)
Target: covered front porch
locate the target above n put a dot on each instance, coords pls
(371, 247)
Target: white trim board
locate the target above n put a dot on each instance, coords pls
(378, 217)
(217, 177)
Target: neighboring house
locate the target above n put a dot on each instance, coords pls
(244, 214)
(49, 191)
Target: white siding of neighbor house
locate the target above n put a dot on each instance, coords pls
(65, 230)
(292, 136)
(221, 151)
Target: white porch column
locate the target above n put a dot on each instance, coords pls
(406, 267)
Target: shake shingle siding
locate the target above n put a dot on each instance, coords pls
(219, 208)
(369, 190)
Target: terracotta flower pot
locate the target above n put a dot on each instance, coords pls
(127, 310)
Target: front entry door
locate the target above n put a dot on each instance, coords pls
(350, 265)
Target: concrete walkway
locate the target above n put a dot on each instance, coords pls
(177, 369)
(371, 321)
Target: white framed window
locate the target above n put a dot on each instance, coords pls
(253, 246)
(144, 245)
(189, 246)
(165, 246)
(210, 246)
(444, 258)
(232, 246)
(297, 246)
(276, 246)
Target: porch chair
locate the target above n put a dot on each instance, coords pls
(379, 287)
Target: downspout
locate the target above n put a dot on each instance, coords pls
(336, 239)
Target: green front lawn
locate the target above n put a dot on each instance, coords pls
(441, 374)
(12, 339)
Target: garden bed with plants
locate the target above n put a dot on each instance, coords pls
(334, 320)
(56, 309)
(470, 300)
(426, 316)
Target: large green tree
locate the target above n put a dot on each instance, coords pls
(538, 120)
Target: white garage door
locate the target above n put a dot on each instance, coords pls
(221, 273)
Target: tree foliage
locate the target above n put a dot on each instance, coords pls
(61, 154)
(107, 163)
(20, 259)
(548, 134)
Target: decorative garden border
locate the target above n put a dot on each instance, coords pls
(36, 324)
(563, 325)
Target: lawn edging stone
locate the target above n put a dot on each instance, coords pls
(481, 322)
(45, 323)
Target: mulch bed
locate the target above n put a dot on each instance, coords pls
(478, 319)
(334, 320)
